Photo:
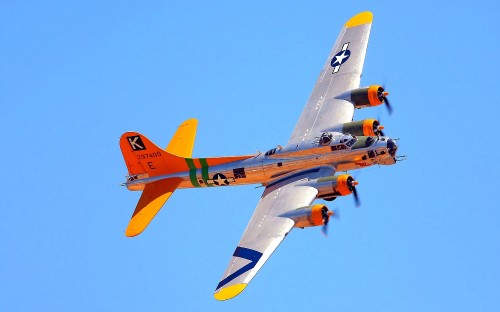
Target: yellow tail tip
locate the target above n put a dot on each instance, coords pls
(229, 292)
(360, 19)
(132, 232)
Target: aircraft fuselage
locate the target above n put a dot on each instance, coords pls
(265, 168)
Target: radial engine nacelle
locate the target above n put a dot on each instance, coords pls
(366, 96)
(365, 127)
(334, 186)
(309, 216)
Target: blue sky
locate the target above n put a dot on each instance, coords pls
(75, 76)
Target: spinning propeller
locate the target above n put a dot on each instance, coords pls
(351, 184)
(382, 95)
(377, 128)
(326, 214)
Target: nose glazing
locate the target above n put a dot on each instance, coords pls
(392, 147)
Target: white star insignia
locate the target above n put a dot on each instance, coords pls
(340, 58)
(220, 180)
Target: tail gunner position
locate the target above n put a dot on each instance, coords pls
(325, 141)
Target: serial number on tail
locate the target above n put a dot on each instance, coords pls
(148, 155)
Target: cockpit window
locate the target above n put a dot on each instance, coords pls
(351, 142)
(270, 152)
(392, 147)
(325, 139)
(338, 147)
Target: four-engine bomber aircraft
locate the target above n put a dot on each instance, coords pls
(325, 140)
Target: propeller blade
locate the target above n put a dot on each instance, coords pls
(324, 229)
(356, 197)
(380, 127)
(382, 95)
(388, 105)
(352, 186)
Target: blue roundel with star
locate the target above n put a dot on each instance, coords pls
(340, 58)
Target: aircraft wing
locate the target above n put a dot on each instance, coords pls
(341, 72)
(267, 229)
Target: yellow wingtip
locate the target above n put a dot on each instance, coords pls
(360, 19)
(229, 292)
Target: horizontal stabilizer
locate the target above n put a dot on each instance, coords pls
(152, 199)
(182, 142)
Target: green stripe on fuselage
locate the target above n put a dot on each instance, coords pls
(204, 171)
(192, 172)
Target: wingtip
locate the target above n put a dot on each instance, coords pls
(359, 19)
(229, 292)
